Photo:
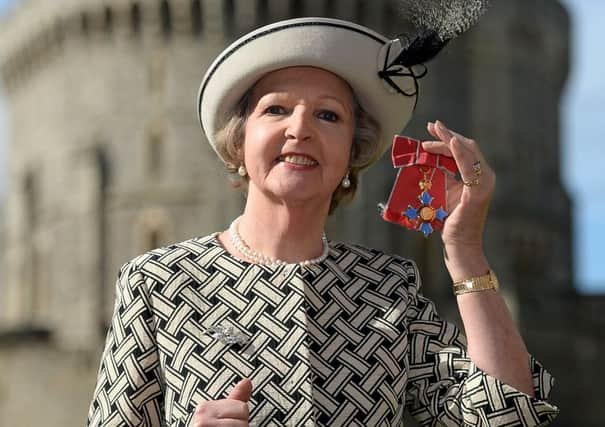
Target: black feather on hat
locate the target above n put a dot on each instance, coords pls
(436, 22)
(378, 69)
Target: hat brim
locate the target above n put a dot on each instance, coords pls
(351, 51)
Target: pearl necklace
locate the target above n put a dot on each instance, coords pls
(259, 258)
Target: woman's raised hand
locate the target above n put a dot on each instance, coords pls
(467, 201)
(230, 412)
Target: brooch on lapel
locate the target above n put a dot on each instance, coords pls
(227, 334)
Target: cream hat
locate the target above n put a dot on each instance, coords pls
(365, 59)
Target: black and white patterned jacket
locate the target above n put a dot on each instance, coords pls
(348, 342)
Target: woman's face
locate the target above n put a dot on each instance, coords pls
(298, 135)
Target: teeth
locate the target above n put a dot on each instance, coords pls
(299, 160)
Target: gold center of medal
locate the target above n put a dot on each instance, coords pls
(427, 213)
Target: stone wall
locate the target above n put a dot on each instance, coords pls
(107, 160)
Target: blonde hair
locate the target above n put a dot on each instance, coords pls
(364, 150)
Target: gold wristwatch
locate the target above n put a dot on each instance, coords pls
(477, 284)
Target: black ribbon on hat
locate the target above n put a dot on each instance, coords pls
(413, 54)
(435, 23)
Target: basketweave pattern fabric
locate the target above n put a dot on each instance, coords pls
(348, 342)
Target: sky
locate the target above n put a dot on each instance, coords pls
(583, 112)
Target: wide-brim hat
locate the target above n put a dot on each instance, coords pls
(359, 55)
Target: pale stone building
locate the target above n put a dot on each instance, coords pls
(107, 160)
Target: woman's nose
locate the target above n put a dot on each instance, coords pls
(299, 126)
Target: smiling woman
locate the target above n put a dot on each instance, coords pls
(269, 322)
(366, 130)
(298, 137)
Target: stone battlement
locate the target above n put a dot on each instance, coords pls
(38, 31)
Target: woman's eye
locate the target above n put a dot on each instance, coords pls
(328, 115)
(275, 109)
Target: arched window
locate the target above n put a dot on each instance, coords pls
(329, 8)
(59, 31)
(31, 200)
(135, 18)
(360, 11)
(196, 17)
(84, 23)
(229, 17)
(262, 12)
(154, 239)
(153, 229)
(30, 274)
(156, 153)
(108, 19)
(166, 17)
(296, 8)
(103, 166)
(388, 15)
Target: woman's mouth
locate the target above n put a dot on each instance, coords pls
(298, 159)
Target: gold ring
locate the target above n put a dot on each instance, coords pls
(471, 183)
(477, 168)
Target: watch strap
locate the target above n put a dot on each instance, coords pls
(476, 284)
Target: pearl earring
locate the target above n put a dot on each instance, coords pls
(241, 171)
(346, 182)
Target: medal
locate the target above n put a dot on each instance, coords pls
(418, 198)
(422, 218)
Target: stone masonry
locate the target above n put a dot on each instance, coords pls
(107, 160)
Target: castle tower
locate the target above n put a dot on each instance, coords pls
(107, 161)
(500, 84)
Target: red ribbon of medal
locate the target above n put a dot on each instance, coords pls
(418, 197)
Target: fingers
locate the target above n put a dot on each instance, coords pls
(223, 409)
(444, 136)
(228, 422)
(232, 412)
(465, 159)
(224, 412)
(242, 391)
(437, 147)
(474, 170)
(442, 132)
(430, 126)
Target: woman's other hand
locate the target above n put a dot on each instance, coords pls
(493, 341)
(467, 204)
(230, 412)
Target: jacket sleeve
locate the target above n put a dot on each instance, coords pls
(445, 388)
(129, 386)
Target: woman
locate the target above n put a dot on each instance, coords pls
(268, 323)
